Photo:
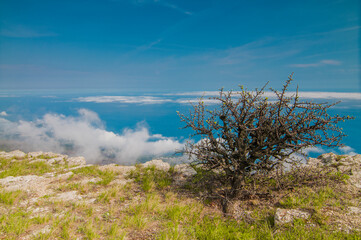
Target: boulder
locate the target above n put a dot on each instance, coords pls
(283, 216)
(44, 154)
(328, 158)
(67, 196)
(117, 168)
(28, 183)
(17, 154)
(158, 164)
(185, 170)
(76, 161)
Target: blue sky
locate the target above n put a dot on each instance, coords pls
(188, 45)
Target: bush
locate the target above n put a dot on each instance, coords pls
(248, 135)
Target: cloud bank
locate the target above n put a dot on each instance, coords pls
(192, 97)
(125, 99)
(86, 136)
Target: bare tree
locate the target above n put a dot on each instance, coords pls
(247, 134)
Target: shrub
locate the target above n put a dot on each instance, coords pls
(248, 135)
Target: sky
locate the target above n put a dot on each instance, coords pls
(185, 45)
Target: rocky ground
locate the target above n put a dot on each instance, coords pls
(45, 195)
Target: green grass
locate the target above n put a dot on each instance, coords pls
(94, 171)
(151, 207)
(150, 178)
(14, 223)
(309, 198)
(20, 168)
(89, 230)
(9, 198)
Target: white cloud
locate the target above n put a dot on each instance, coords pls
(3, 114)
(322, 95)
(178, 97)
(305, 65)
(317, 64)
(331, 62)
(195, 93)
(124, 99)
(85, 135)
(195, 100)
(308, 95)
(347, 150)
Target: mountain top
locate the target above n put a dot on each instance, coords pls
(45, 195)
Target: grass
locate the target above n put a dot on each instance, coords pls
(94, 171)
(152, 207)
(152, 178)
(306, 197)
(14, 223)
(11, 167)
(11, 197)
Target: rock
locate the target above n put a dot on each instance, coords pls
(65, 176)
(56, 160)
(121, 181)
(354, 211)
(28, 183)
(76, 161)
(350, 165)
(36, 233)
(117, 168)
(185, 170)
(314, 162)
(44, 154)
(67, 196)
(283, 216)
(17, 154)
(159, 164)
(328, 158)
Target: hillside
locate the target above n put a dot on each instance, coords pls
(52, 196)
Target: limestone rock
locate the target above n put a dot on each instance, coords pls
(351, 165)
(67, 196)
(45, 154)
(354, 211)
(56, 160)
(314, 162)
(28, 183)
(185, 170)
(283, 216)
(17, 154)
(117, 168)
(76, 161)
(328, 158)
(159, 164)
